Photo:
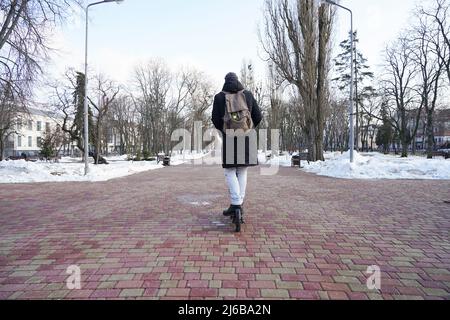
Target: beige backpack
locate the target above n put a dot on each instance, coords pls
(237, 114)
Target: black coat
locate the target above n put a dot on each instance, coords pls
(217, 119)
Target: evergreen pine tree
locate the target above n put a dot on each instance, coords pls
(78, 98)
(361, 68)
(362, 87)
(385, 132)
(48, 145)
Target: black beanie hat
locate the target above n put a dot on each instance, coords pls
(231, 77)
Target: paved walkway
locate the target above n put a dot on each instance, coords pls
(161, 235)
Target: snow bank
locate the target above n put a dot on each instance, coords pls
(282, 161)
(366, 166)
(179, 159)
(72, 169)
(26, 172)
(379, 166)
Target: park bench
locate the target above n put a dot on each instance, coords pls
(27, 158)
(14, 158)
(160, 158)
(297, 159)
(164, 159)
(444, 154)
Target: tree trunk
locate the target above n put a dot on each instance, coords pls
(357, 120)
(403, 135)
(386, 149)
(311, 134)
(319, 141)
(430, 134)
(97, 144)
(80, 145)
(2, 148)
(404, 148)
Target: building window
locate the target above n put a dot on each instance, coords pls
(39, 126)
(47, 126)
(39, 142)
(10, 143)
(19, 141)
(30, 125)
(30, 142)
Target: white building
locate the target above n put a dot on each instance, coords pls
(30, 130)
(441, 130)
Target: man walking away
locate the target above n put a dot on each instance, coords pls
(236, 109)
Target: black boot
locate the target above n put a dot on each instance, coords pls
(242, 214)
(235, 208)
(230, 211)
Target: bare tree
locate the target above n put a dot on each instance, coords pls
(337, 133)
(200, 97)
(24, 37)
(275, 101)
(178, 108)
(10, 108)
(400, 91)
(296, 39)
(166, 101)
(107, 92)
(124, 120)
(252, 83)
(68, 103)
(68, 100)
(427, 53)
(290, 131)
(370, 110)
(440, 14)
(153, 82)
(247, 76)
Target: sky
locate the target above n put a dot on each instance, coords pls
(211, 35)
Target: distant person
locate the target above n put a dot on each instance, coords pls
(236, 108)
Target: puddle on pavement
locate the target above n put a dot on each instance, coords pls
(198, 200)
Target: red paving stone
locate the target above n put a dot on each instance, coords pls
(161, 235)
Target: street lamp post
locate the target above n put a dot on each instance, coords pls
(86, 108)
(352, 48)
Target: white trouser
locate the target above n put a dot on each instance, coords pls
(237, 184)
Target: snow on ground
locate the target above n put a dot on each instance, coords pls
(380, 166)
(282, 161)
(72, 169)
(370, 166)
(26, 172)
(366, 166)
(179, 159)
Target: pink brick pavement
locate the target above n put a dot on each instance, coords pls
(161, 235)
